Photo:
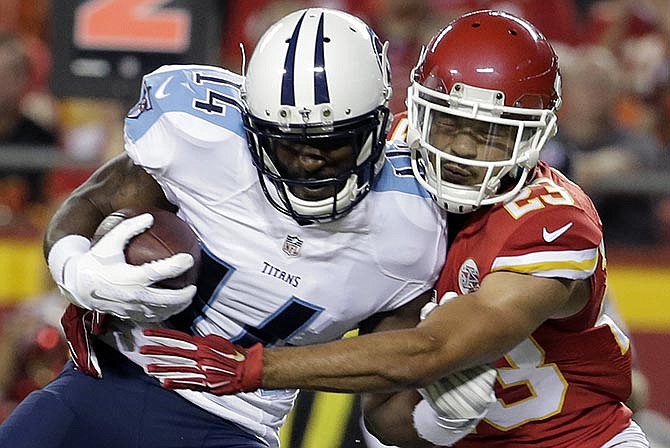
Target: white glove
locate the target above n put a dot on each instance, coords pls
(463, 395)
(453, 406)
(438, 430)
(99, 278)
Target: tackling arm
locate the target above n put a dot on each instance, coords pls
(467, 331)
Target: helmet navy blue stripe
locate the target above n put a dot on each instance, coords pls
(287, 88)
(320, 80)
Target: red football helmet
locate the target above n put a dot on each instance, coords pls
(495, 76)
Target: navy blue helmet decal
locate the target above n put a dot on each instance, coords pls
(321, 94)
(320, 81)
(287, 88)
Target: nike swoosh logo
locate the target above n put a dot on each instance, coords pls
(550, 237)
(160, 92)
(237, 356)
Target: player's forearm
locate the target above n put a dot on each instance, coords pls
(459, 335)
(85, 208)
(77, 216)
(380, 362)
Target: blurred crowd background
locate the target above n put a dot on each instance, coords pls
(614, 140)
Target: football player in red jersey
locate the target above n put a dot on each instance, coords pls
(522, 286)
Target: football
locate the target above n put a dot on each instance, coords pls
(167, 236)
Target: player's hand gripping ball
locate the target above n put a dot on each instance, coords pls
(169, 235)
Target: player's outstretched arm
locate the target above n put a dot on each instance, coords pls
(450, 409)
(467, 331)
(212, 363)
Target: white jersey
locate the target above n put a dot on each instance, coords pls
(264, 277)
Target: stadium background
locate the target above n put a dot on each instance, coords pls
(85, 108)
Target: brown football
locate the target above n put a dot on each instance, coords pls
(167, 236)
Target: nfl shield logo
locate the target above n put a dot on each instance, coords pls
(292, 246)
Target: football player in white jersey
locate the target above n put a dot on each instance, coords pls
(522, 286)
(310, 225)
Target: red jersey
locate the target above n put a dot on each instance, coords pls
(565, 384)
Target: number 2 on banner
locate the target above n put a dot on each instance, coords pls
(139, 25)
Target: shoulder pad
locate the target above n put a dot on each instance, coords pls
(549, 233)
(204, 91)
(198, 103)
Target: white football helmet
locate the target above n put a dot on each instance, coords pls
(494, 76)
(317, 75)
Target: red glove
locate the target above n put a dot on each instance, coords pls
(210, 363)
(80, 325)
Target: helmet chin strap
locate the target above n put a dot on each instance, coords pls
(346, 195)
(493, 186)
(533, 157)
(366, 149)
